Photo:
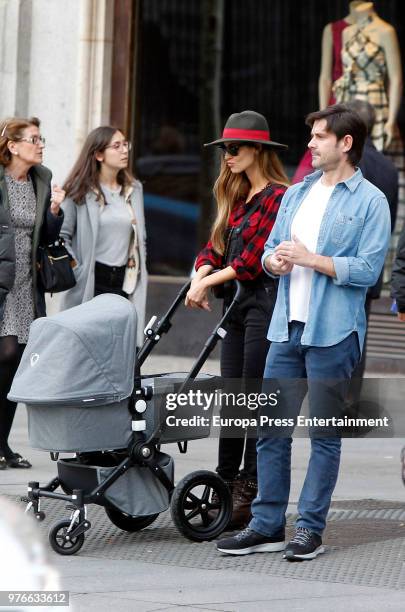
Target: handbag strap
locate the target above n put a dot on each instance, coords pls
(249, 213)
(239, 228)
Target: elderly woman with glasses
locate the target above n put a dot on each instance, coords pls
(104, 226)
(30, 216)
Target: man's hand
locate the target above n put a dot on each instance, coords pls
(197, 295)
(295, 252)
(278, 265)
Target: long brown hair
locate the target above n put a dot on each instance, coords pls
(85, 174)
(12, 129)
(231, 187)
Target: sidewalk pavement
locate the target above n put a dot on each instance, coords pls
(157, 569)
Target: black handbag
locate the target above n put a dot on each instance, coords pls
(55, 267)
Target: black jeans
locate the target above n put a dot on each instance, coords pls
(109, 279)
(243, 356)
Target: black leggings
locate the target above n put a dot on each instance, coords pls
(10, 357)
(243, 356)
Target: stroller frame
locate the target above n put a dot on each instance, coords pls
(67, 536)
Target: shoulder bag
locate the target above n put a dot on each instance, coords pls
(55, 267)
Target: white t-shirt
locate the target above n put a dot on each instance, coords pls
(114, 230)
(306, 225)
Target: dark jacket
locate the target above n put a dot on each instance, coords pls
(398, 274)
(46, 230)
(379, 170)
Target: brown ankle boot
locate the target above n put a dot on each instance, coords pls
(244, 492)
(212, 514)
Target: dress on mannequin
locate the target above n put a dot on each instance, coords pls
(364, 77)
(372, 72)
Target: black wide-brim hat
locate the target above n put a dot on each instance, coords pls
(247, 126)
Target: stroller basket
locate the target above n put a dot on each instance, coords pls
(137, 492)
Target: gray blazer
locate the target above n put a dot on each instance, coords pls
(79, 230)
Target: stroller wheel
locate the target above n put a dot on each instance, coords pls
(201, 506)
(129, 523)
(58, 539)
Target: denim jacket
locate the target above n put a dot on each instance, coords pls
(355, 232)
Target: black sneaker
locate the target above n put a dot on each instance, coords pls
(305, 545)
(249, 541)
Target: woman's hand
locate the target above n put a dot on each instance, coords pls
(389, 129)
(57, 197)
(197, 295)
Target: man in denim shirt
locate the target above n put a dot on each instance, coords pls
(327, 246)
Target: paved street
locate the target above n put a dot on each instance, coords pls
(157, 569)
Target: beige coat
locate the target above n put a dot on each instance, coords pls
(79, 230)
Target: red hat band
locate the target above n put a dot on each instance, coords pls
(245, 134)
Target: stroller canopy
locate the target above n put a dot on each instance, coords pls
(84, 354)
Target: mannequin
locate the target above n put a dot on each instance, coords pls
(331, 63)
(371, 38)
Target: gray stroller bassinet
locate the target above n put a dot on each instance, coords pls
(81, 385)
(76, 376)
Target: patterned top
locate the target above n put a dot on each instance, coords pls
(248, 265)
(364, 77)
(19, 308)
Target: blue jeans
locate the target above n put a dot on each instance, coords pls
(292, 360)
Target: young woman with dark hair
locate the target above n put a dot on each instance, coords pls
(104, 226)
(30, 216)
(248, 193)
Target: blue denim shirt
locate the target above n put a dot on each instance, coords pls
(355, 232)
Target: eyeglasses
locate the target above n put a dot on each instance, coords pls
(34, 140)
(120, 146)
(232, 149)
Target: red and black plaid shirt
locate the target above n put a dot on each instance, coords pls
(248, 265)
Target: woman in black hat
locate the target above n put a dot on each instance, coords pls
(248, 192)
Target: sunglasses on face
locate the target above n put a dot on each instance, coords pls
(232, 149)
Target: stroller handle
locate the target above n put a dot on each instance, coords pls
(219, 332)
(153, 335)
(164, 325)
(239, 291)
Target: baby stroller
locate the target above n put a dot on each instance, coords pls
(80, 380)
